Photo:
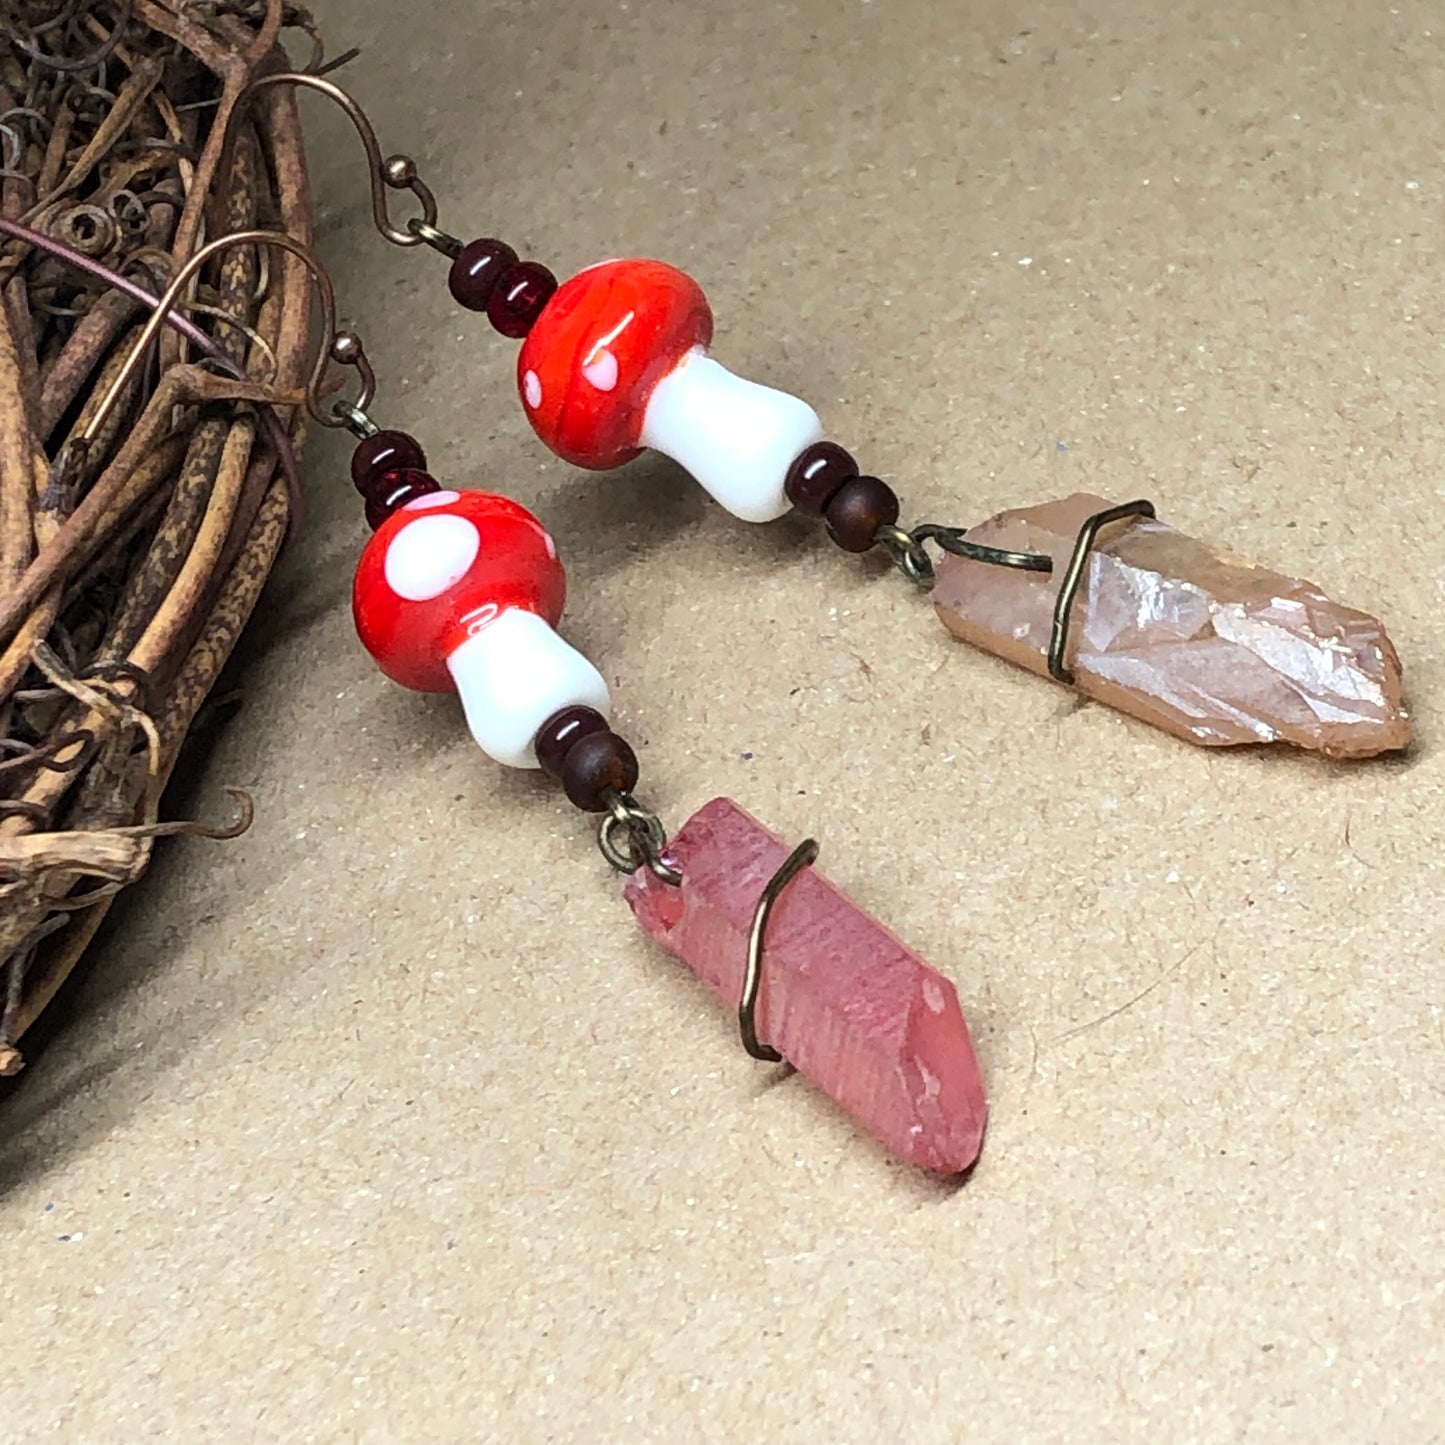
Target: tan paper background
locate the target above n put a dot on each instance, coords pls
(384, 1123)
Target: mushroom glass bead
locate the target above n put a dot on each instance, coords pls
(462, 591)
(617, 362)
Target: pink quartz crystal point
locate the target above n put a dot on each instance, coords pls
(843, 1001)
(1184, 635)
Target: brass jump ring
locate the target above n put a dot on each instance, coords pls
(646, 839)
(907, 553)
(355, 420)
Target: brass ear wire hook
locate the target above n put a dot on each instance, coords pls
(344, 346)
(347, 350)
(179, 322)
(397, 172)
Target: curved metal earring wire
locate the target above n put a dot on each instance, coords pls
(397, 173)
(178, 322)
(353, 352)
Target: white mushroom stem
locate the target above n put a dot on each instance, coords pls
(736, 437)
(513, 673)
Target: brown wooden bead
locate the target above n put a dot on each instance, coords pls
(476, 271)
(556, 736)
(860, 507)
(597, 764)
(382, 452)
(816, 475)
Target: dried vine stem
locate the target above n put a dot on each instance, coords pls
(129, 566)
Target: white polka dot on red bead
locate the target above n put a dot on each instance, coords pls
(430, 555)
(602, 370)
(432, 499)
(532, 389)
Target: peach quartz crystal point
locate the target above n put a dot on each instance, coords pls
(845, 1002)
(1183, 635)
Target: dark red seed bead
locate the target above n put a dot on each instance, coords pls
(596, 765)
(557, 735)
(519, 296)
(860, 507)
(386, 451)
(393, 490)
(816, 475)
(475, 272)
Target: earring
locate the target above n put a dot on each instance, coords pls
(463, 591)
(1103, 597)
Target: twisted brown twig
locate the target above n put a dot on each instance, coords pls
(129, 565)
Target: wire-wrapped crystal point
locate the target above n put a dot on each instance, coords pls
(843, 1001)
(1183, 635)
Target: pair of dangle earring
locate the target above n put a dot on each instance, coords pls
(464, 591)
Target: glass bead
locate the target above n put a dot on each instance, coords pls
(391, 491)
(557, 735)
(476, 270)
(591, 364)
(856, 512)
(416, 597)
(384, 451)
(461, 592)
(816, 476)
(519, 295)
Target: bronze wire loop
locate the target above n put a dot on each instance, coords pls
(1074, 576)
(397, 173)
(909, 556)
(179, 322)
(355, 420)
(341, 346)
(645, 841)
(803, 856)
(645, 835)
(449, 246)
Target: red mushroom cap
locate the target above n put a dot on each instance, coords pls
(602, 344)
(439, 570)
